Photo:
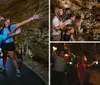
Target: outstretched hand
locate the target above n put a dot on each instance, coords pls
(18, 31)
(1, 18)
(36, 16)
(95, 62)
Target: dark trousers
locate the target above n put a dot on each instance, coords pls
(57, 78)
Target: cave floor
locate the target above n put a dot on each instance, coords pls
(28, 77)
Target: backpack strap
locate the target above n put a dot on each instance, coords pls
(1, 30)
(9, 28)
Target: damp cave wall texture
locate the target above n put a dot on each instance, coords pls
(90, 9)
(91, 50)
(33, 41)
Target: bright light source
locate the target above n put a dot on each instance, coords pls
(96, 62)
(66, 55)
(70, 63)
(54, 48)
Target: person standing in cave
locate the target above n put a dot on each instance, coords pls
(57, 24)
(82, 71)
(69, 22)
(4, 36)
(67, 14)
(8, 45)
(66, 19)
(59, 69)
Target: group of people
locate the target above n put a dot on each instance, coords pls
(65, 25)
(66, 64)
(7, 41)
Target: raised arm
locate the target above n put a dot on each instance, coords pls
(3, 37)
(91, 64)
(18, 31)
(34, 17)
(11, 35)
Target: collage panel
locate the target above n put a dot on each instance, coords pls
(24, 42)
(75, 63)
(75, 20)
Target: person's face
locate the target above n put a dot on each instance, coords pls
(62, 53)
(73, 18)
(84, 59)
(72, 30)
(7, 22)
(68, 12)
(61, 11)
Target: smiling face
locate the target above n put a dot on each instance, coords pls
(7, 22)
(61, 12)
